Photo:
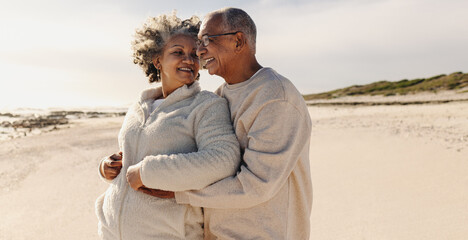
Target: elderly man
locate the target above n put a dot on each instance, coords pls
(270, 197)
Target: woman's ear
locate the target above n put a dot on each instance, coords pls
(240, 41)
(157, 63)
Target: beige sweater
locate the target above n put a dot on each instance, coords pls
(270, 197)
(188, 121)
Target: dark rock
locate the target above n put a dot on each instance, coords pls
(5, 124)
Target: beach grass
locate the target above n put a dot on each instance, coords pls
(455, 81)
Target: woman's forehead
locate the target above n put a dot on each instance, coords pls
(180, 40)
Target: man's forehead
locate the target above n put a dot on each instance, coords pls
(212, 24)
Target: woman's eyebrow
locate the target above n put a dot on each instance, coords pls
(177, 46)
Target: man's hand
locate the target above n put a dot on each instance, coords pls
(111, 166)
(157, 193)
(134, 178)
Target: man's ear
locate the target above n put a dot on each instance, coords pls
(241, 41)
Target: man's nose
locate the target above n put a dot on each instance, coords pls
(201, 50)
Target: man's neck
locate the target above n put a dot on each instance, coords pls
(242, 73)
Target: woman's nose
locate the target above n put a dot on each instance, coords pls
(189, 59)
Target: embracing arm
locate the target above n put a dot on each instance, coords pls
(277, 137)
(218, 154)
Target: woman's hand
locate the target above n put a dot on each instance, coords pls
(111, 166)
(134, 179)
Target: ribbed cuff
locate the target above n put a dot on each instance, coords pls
(182, 198)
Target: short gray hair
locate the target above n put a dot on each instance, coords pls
(235, 19)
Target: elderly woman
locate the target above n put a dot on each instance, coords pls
(175, 121)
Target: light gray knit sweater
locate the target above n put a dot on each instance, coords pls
(270, 197)
(191, 124)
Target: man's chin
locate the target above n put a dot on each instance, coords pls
(211, 71)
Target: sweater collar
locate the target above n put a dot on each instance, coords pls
(176, 96)
(246, 82)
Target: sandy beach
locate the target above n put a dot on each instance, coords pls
(390, 172)
(50, 182)
(379, 172)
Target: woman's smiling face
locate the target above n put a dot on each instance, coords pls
(178, 63)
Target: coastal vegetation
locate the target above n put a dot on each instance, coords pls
(454, 81)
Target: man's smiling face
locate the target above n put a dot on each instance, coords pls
(219, 52)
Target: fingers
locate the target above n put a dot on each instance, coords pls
(157, 193)
(111, 172)
(113, 163)
(111, 176)
(115, 160)
(111, 168)
(116, 157)
(145, 190)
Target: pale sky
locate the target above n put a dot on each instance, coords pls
(56, 53)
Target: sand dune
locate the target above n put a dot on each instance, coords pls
(379, 172)
(420, 98)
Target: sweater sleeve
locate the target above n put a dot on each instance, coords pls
(218, 154)
(276, 139)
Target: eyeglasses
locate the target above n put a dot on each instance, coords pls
(205, 39)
